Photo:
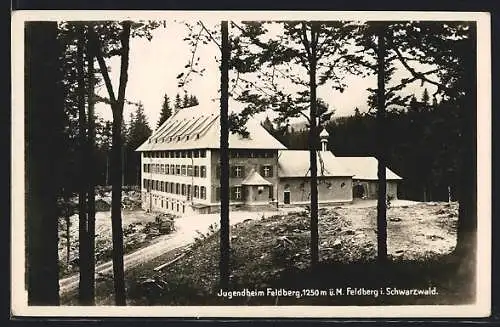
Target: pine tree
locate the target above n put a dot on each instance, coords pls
(186, 101)
(193, 101)
(426, 98)
(139, 129)
(178, 101)
(166, 111)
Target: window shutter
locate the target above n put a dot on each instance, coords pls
(262, 171)
(271, 173)
(217, 171)
(243, 171)
(271, 191)
(233, 171)
(233, 193)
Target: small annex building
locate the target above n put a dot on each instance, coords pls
(334, 180)
(365, 177)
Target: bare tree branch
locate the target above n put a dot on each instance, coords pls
(210, 34)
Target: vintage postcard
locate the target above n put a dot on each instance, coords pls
(251, 164)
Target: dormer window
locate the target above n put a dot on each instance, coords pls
(197, 136)
(178, 138)
(187, 137)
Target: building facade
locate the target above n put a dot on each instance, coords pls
(181, 170)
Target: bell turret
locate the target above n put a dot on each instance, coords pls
(323, 136)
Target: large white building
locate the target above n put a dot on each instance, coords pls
(181, 170)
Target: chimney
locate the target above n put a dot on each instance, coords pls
(323, 136)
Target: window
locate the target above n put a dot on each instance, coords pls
(167, 169)
(203, 153)
(271, 192)
(177, 169)
(162, 168)
(190, 170)
(162, 187)
(217, 193)
(237, 171)
(266, 171)
(196, 171)
(183, 170)
(177, 188)
(236, 193)
(203, 192)
(183, 189)
(183, 154)
(217, 171)
(196, 154)
(144, 183)
(162, 155)
(157, 185)
(196, 189)
(189, 192)
(145, 168)
(203, 171)
(172, 169)
(167, 155)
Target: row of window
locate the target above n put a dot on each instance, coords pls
(176, 154)
(202, 154)
(239, 171)
(179, 170)
(199, 192)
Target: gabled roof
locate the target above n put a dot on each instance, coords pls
(198, 127)
(295, 163)
(254, 178)
(365, 168)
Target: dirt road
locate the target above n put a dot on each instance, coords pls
(187, 229)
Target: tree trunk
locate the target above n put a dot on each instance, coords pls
(85, 279)
(312, 150)
(91, 180)
(382, 152)
(116, 176)
(43, 119)
(224, 160)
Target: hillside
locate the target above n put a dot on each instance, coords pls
(274, 252)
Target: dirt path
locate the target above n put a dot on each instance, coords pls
(187, 229)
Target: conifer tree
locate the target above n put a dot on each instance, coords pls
(166, 111)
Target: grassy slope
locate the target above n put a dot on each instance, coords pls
(274, 252)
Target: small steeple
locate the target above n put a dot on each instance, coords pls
(323, 136)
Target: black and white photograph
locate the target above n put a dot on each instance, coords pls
(251, 164)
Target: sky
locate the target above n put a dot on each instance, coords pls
(154, 65)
